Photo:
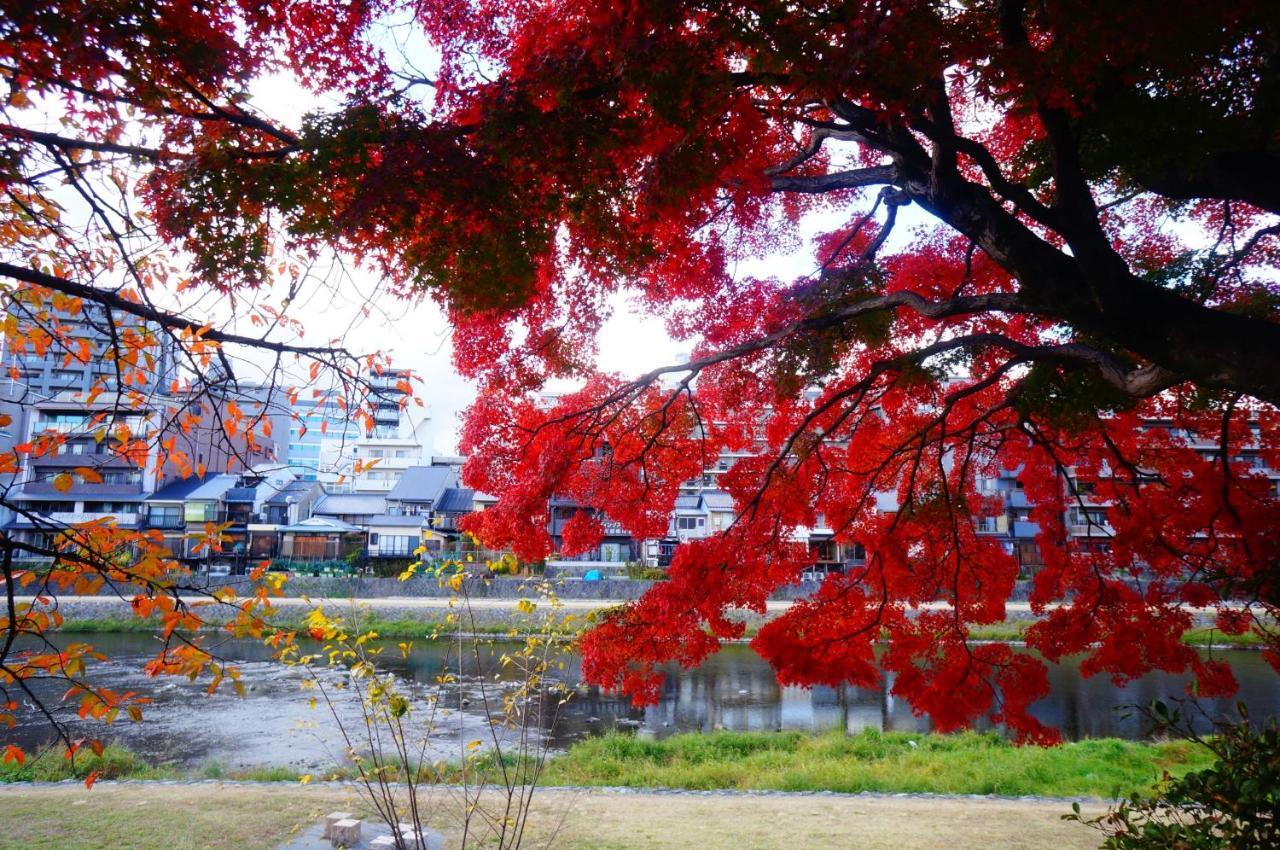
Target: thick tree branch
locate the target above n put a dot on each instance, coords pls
(1249, 176)
(116, 301)
(53, 140)
(877, 175)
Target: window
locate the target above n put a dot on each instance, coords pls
(111, 507)
(989, 524)
(397, 544)
(201, 512)
(167, 516)
(690, 523)
(1088, 516)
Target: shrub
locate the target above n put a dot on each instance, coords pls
(1232, 804)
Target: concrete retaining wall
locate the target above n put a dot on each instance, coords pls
(496, 588)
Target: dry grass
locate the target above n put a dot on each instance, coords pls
(212, 817)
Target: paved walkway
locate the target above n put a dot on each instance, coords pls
(430, 603)
(436, 603)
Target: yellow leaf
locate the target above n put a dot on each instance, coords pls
(304, 778)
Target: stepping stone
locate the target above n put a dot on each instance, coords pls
(332, 818)
(345, 833)
(385, 842)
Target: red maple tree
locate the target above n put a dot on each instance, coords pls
(1092, 305)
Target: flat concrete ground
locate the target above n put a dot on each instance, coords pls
(245, 817)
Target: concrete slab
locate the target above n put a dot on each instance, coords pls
(377, 838)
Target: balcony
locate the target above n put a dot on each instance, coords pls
(1096, 529)
(77, 517)
(81, 490)
(165, 521)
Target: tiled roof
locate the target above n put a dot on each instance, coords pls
(456, 500)
(423, 483)
(717, 500)
(177, 491)
(294, 490)
(322, 525)
(395, 521)
(345, 504)
(214, 487)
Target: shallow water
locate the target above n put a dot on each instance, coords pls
(274, 724)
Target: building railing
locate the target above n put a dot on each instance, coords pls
(76, 517)
(1093, 529)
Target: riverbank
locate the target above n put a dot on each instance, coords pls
(392, 618)
(871, 761)
(150, 816)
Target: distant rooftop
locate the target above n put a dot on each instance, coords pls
(456, 500)
(347, 504)
(208, 487)
(423, 483)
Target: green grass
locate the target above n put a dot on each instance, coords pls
(50, 765)
(1016, 630)
(966, 763)
(398, 628)
(409, 627)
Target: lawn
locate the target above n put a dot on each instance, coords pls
(966, 763)
(215, 817)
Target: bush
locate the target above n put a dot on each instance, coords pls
(1232, 804)
(644, 573)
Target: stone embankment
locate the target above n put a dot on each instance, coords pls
(490, 604)
(477, 613)
(608, 590)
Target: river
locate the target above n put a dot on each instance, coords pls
(273, 724)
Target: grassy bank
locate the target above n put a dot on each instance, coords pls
(1013, 631)
(410, 627)
(387, 628)
(50, 765)
(967, 763)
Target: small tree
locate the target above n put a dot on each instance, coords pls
(496, 774)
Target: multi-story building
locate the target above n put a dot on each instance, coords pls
(325, 443)
(84, 351)
(83, 477)
(315, 423)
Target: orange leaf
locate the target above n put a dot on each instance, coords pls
(62, 482)
(89, 475)
(90, 779)
(12, 753)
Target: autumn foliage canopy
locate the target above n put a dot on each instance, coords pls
(1046, 242)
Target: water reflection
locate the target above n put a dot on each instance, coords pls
(733, 690)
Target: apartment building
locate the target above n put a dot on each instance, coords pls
(325, 444)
